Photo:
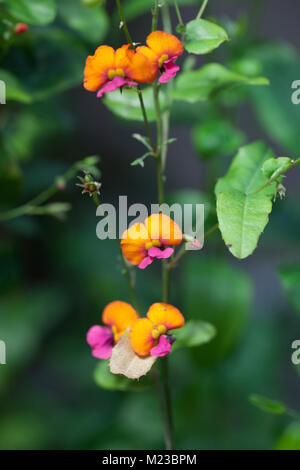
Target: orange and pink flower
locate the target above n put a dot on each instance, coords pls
(108, 69)
(150, 336)
(162, 50)
(142, 243)
(117, 316)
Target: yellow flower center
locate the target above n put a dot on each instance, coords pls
(114, 332)
(112, 73)
(158, 331)
(162, 59)
(149, 245)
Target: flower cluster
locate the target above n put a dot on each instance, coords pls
(109, 69)
(148, 336)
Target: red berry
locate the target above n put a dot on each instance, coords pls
(21, 28)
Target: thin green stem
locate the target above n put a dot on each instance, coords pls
(123, 23)
(202, 9)
(26, 208)
(145, 117)
(169, 427)
(276, 176)
(160, 176)
(155, 16)
(182, 252)
(178, 13)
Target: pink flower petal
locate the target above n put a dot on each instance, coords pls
(162, 349)
(101, 340)
(155, 252)
(171, 70)
(112, 85)
(146, 261)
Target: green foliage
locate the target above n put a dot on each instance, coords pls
(14, 88)
(243, 213)
(105, 379)
(275, 167)
(273, 106)
(207, 82)
(290, 438)
(203, 36)
(209, 296)
(91, 23)
(290, 280)
(216, 137)
(39, 12)
(126, 105)
(194, 333)
(267, 405)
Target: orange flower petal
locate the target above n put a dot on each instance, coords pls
(133, 243)
(136, 66)
(167, 315)
(97, 66)
(164, 43)
(163, 228)
(120, 315)
(152, 59)
(140, 336)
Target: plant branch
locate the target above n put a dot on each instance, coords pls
(123, 24)
(178, 13)
(26, 208)
(202, 9)
(275, 177)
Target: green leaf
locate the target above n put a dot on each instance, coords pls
(194, 333)
(38, 12)
(273, 106)
(105, 379)
(208, 296)
(140, 161)
(202, 84)
(274, 167)
(267, 405)
(126, 105)
(91, 23)
(202, 36)
(143, 140)
(14, 89)
(242, 214)
(290, 438)
(290, 280)
(216, 137)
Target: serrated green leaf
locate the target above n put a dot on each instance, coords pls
(126, 105)
(267, 405)
(242, 219)
(242, 213)
(91, 23)
(202, 84)
(38, 12)
(194, 333)
(202, 36)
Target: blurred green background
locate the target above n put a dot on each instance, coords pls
(56, 276)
